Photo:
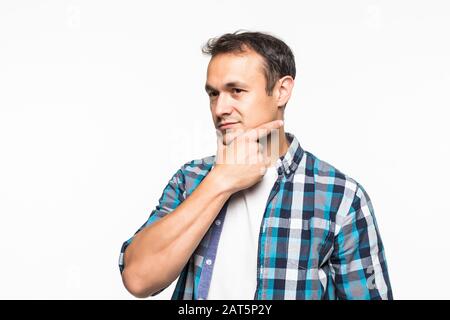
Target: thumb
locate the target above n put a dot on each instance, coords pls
(265, 129)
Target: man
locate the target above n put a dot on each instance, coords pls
(253, 224)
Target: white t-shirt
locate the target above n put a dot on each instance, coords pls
(234, 273)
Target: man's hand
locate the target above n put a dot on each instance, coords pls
(241, 161)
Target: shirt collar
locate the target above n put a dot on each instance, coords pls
(288, 163)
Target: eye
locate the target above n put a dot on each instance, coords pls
(237, 90)
(212, 94)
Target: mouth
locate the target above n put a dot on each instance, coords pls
(227, 125)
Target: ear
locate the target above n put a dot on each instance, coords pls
(284, 90)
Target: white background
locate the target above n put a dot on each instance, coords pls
(102, 101)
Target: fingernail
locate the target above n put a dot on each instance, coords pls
(281, 122)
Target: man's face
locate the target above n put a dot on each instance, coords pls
(236, 86)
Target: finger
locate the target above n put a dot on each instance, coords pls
(221, 149)
(262, 171)
(219, 139)
(264, 129)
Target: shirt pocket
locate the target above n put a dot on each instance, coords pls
(315, 239)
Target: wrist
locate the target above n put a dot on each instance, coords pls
(219, 182)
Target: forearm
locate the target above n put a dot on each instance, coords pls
(158, 253)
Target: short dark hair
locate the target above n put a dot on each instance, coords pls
(278, 57)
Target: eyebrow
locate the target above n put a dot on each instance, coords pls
(231, 84)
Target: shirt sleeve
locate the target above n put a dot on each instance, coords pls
(172, 196)
(358, 260)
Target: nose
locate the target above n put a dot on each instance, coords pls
(222, 106)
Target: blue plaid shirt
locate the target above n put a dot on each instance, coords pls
(318, 238)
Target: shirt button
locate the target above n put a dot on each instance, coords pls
(208, 262)
(218, 222)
